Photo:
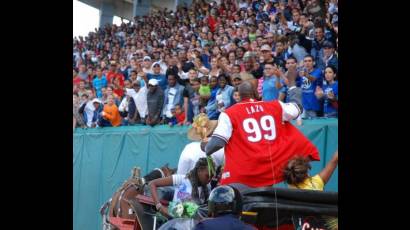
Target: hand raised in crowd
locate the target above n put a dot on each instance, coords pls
(277, 72)
(331, 95)
(302, 73)
(319, 92)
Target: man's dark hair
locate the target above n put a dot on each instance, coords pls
(308, 55)
(291, 57)
(75, 94)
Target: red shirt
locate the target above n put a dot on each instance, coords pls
(119, 92)
(260, 141)
(180, 117)
(76, 80)
(110, 76)
(212, 23)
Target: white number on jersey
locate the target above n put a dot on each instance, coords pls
(266, 123)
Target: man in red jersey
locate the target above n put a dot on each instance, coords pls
(258, 140)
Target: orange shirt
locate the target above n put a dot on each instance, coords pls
(112, 114)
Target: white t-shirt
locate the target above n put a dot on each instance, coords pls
(171, 95)
(191, 154)
(183, 188)
(140, 100)
(89, 110)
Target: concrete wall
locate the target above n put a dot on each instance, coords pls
(129, 8)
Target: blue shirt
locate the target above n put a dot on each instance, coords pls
(212, 106)
(309, 100)
(269, 90)
(205, 61)
(98, 84)
(328, 108)
(161, 78)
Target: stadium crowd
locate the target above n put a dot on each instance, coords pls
(167, 67)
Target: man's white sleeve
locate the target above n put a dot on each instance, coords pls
(123, 106)
(224, 128)
(290, 111)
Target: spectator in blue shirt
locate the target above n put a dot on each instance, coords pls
(161, 78)
(329, 93)
(212, 106)
(99, 82)
(310, 78)
(272, 84)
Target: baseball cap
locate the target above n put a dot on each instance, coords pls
(236, 76)
(96, 100)
(147, 58)
(247, 55)
(156, 64)
(328, 44)
(266, 47)
(153, 82)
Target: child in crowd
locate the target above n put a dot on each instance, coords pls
(204, 90)
(296, 173)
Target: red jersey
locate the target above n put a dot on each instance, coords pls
(260, 141)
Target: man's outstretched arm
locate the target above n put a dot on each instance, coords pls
(221, 134)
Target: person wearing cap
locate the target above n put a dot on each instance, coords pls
(138, 108)
(317, 47)
(147, 65)
(224, 208)
(155, 102)
(97, 109)
(161, 78)
(266, 51)
(236, 79)
(329, 56)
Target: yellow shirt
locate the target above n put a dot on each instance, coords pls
(311, 183)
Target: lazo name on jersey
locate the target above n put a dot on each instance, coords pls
(254, 109)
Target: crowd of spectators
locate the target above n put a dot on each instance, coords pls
(167, 67)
